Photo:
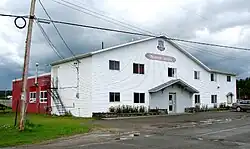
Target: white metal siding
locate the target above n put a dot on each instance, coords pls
(97, 80)
(161, 99)
(67, 76)
(125, 82)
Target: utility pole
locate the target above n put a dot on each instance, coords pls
(26, 66)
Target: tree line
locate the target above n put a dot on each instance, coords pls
(243, 88)
(3, 93)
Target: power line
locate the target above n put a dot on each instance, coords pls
(134, 33)
(58, 32)
(100, 16)
(209, 44)
(49, 41)
(95, 27)
(140, 34)
(13, 16)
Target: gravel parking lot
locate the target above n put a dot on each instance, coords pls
(210, 130)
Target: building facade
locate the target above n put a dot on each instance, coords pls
(38, 94)
(152, 72)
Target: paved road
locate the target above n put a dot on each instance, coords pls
(225, 130)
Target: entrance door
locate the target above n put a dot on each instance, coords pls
(229, 99)
(172, 103)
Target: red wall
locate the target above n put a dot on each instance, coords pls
(37, 107)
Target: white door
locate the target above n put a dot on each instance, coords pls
(172, 103)
(229, 99)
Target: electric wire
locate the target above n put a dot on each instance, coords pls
(57, 30)
(135, 33)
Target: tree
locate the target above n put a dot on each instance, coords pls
(243, 88)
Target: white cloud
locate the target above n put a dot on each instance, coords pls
(217, 21)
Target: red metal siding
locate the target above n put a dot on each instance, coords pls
(36, 107)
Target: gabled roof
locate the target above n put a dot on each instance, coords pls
(172, 82)
(139, 41)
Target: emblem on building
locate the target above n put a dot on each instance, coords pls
(160, 45)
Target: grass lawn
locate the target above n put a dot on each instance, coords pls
(39, 128)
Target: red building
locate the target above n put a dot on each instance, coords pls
(38, 96)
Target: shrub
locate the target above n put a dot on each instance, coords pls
(118, 109)
(142, 109)
(215, 106)
(112, 109)
(197, 108)
(135, 109)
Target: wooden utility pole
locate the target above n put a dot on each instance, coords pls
(26, 67)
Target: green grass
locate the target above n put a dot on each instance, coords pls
(39, 128)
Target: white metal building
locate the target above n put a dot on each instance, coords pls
(153, 72)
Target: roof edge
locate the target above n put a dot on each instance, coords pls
(98, 51)
(31, 77)
(157, 88)
(189, 55)
(223, 72)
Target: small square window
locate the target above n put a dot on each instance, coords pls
(43, 97)
(213, 98)
(197, 99)
(172, 72)
(197, 75)
(32, 97)
(114, 65)
(138, 68)
(114, 97)
(139, 97)
(228, 78)
(213, 77)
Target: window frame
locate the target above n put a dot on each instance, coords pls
(140, 99)
(30, 97)
(198, 75)
(43, 99)
(114, 65)
(138, 68)
(195, 99)
(230, 79)
(214, 77)
(114, 94)
(173, 70)
(213, 99)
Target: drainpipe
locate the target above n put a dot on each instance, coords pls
(78, 79)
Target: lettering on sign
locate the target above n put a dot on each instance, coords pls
(159, 57)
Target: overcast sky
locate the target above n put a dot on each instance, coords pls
(218, 21)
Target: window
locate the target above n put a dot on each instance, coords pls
(213, 77)
(139, 97)
(228, 78)
(43, 97)
(114, 97)
(138, 68)
(213, 98)
(197, 99)
(172, 72)
(32, 97)
(197, 75)
(114, 65)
